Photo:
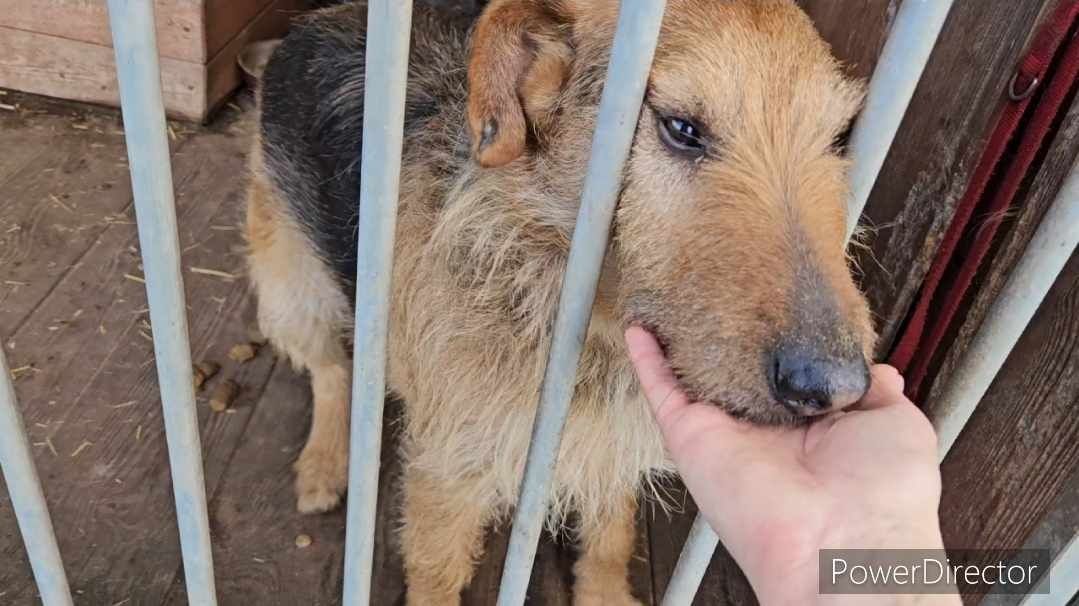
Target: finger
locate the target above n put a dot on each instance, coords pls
(657, 380)
(885, 388)
(698, 432)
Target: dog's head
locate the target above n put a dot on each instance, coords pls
(729, 237)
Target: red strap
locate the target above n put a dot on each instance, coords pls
(960, 252)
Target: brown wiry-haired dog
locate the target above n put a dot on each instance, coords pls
(728, 244)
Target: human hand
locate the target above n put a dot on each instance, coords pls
(863, 478)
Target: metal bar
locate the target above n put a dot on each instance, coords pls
(1061, 582)
(27, 499)
(1027, 285)
(389, 27)
(692, 564)
(902, 61)
(899, 69)
(620, 106)
(138, 71)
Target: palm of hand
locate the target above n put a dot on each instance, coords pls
(864, 478)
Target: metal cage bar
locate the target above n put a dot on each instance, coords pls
(902, 62)
(1043, 260)
(692, 563)
(620, 106)
(138, 71)
(389, 28)
(27, 498)
(1062, 579)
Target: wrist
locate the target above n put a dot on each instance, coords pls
(787, 571)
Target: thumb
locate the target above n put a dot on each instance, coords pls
(689, 428)
(657, 379)
(885, 388)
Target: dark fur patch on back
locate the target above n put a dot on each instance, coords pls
(312, 117)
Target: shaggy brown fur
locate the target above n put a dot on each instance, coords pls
(727, 255)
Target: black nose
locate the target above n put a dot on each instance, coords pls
(810, 383)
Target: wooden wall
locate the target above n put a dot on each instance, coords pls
(1018, 458)
(63, 48)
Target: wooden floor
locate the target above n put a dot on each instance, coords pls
(74, 325)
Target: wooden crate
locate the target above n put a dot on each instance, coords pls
(62, 48)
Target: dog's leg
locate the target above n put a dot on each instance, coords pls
(322, 469)
(442, 537)
(602, 571)
(303, 312)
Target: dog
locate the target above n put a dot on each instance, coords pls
(728, 244)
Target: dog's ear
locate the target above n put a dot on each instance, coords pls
(519, 62)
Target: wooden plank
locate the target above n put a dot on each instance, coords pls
(58, 67)
(94, 397)
(856, 30)
(188, 30)
(66, 185)
(723, 583)
(1054, 532)
(225, 19)
(640, 568)
(937, 146)
(223, 74)
(182, 25)
(255, 523)
(80, 71)
(1022, 444)
(1019, 226)
(1019, 473)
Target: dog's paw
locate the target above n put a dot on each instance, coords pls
(321, 479)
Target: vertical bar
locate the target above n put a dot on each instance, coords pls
(692, 564)
(137, 68)
(1061, 582)
(627, 76)
(27, 499)
(1049, 250)
(389, 27)
(895, 78)
(902, 61)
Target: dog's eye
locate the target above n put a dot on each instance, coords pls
(682, 136)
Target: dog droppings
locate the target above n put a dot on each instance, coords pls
(243, 352)
(204, 371)
(303, 541)
(223, 395)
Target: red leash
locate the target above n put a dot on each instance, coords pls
(1042, 83)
